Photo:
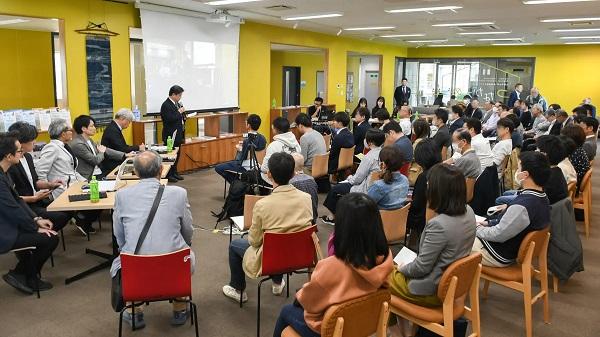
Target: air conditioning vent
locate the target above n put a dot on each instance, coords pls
(280, 8)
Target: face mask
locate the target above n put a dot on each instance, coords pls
(451, 116)
(362, 105)
(519, 181)
(495, 109)
(466, 101)
(455, 147)
(380, 104)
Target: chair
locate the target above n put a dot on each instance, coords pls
(394, 223)
(346, 159)
(285, 253)
(320, 165)
(249, 202)
(359, 317)
(327, 139)
(470, 188)
(29, 251)
(444, 153)
(583, 201)
(260, 156)
(153, 278)
(519, 276)
(459, 281)
(571, 188)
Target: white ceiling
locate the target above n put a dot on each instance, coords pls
(44, 25)
(523, 21)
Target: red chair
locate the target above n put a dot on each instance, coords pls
(404, 169)
(286, 253)
(153, 278)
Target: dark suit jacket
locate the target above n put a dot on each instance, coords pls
(526, 119)
(260, 143)
(113, 138)
(15, 216)
(172, 120)
(477, 114)
(344, 139)
(512, 99)
(360, 131)
(459, 123)
(19, 177)
(400, 97)
(442, 138)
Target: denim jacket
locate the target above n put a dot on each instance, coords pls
(390, 196)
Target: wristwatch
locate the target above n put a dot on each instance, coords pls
(37, 218)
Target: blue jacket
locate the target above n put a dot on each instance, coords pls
(390, 196)
(259, 141)
(512, 99)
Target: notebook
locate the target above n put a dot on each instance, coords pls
(405, 256)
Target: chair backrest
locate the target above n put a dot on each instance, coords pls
(464, 270)
(470, 188)
(346, 158)
(571, 188)
(327, 139)
(586, 181)
(444, 153)
(249, 202)
(286, 252)
(394, 222)
(156, 277)
(360, 316)
(539, 239)
(260, 155)
(319, 165)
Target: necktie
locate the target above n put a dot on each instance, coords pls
(404, 90)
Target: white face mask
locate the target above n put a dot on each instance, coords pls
(495, 109)
(519, 181)
(456, 148)
(451, 116)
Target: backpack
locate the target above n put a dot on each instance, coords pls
(234, 203)
(508, 175)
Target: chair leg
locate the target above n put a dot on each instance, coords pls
(486, 287)
(62, 239)
(258, 306)
(287, 285)
(224, 188)
(99, 222)
(555, 283)
(528, 308)
(132, 316)
(121, 321)
(586, 218)
(195, 315)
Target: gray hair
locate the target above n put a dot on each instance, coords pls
(124, 113)
(57, 127)
(538, 106)
(147, 164)
(298, 161)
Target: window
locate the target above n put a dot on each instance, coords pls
(138, 75)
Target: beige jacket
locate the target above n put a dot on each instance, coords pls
(285, 210)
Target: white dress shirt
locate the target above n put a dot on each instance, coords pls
(483, 150)
(97, 170)
(25, 165)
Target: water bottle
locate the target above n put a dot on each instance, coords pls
(273, 104)
(136, 113)
(416, 115)
(94, 190)
(169, 144)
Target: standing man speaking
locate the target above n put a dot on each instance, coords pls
(173, 117)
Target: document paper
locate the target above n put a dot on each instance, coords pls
(405, 256)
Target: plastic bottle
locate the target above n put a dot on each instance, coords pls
(169, 144)
(417, 115)
(94, 190)
(136, 113)
(273, 104)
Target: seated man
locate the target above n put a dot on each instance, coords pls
(404, 120)
(113, 138)
(305, 183)
(479, 143)
(283, 141)
(312, 142)
(499, 239)
(342, 138)
(171, 229)
(20, 227)
(465, 157)
(361, 125)
(285, 210)
(317, 109)
(442, 138)
(590, 127)
(395, 136)
(241, 163)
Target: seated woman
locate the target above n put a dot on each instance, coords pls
(360, 181)
(391, 190)
(578, 158)
(421, 131)
(360, 266)
(556, 187)
(34, 192)
(447, 237)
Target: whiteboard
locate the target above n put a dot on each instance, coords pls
(200, 56)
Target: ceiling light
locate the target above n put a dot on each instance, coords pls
(446, 45)
(512, 44)
(402, 35)
(423, 9)
(503, 39)
(571, 19)
(463, 24)
(228, 2)
(339, 32)
(575, 30)
(12, 21)
(591, 42)
(579, 37)
(427, 41)
(543, 2)
(311, 16)
(370, 28)
(484, 33)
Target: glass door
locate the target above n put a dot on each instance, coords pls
(427, 85)
(445, 80)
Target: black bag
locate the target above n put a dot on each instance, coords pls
(234, 202)
(116, 291)
(460, 329)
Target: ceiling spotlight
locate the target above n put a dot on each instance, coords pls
(339, 32)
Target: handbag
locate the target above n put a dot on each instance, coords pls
(116, 290)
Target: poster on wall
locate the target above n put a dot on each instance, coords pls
(99, 76)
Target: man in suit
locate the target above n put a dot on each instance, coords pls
(317, 109)
(515, 95)
(113, 139)
(455, 118)
(476, 110)
(173, 117)
(442, 137)
(171, 229)
(20, 227)
(360, 130)
(343, 139)
(402, 93)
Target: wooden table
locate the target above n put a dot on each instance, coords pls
(113, 174)
(170, 155)
(62, 203)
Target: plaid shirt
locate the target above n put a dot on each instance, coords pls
(307, 184)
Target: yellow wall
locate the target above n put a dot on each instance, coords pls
(76, 14)
(564, 74)
(26, 68)
(255, 64)
(309, 63)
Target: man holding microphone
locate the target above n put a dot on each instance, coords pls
(173, 117)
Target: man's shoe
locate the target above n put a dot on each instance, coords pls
(180, 317)
(43, 285)
(177, 176)
(172, 179)
(277, 289)
(139, 319)
(234, 294)
(18, 282)
(327, 220)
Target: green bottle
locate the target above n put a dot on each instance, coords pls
(94, 190)
(169, 144)
(417, 115)
(273, 104)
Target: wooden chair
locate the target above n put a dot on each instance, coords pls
(571, 188)
(470, 188)
(583, 201)
(459, 281)
(249, 202)
(346, 158)
(320, 165)
(260, 155)
(519, 276)
(327, 139)
(444, 153)
(364, 316)
(394, 223)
